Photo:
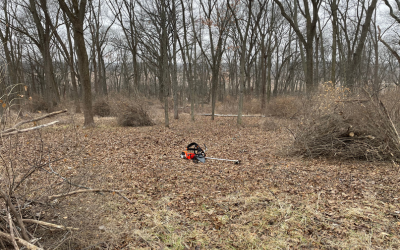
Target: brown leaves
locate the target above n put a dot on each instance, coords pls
(269, 200)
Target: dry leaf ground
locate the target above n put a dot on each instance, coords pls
(270, 201)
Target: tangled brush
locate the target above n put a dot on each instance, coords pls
(131, 115)
(349, 129)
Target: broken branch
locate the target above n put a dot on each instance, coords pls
(33, 120)
(52, 197)
(28, 129)
(43, 223)
(10, 222)
(7, 199)
(20, 241)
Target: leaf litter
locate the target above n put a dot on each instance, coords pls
(271, 200)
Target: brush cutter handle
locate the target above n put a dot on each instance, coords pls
(196, 149)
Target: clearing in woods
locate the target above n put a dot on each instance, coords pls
(272, 200)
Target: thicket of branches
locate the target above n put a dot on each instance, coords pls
(344, 126)
(34, 179)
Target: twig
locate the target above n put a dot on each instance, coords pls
(49, 224)
(294, 136)
(10, 222)
(16, 215)
(62, 240)
(52, 197)
(393, 127)
(2, 244)
(20, 241)
(353, 100)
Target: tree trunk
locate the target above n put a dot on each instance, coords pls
(334, 37)
(72, 72)
(164, 80)
(174, 64)
(77, 18)
(85, 77)
(263, 72)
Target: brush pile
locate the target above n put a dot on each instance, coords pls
(133, 115)
(349, 129)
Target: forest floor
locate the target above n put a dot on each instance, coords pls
(271, 200)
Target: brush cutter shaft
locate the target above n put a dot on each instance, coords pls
(218, 159)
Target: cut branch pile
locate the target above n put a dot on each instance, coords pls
(133, 115)
(353, 130)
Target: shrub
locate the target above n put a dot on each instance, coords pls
(284, 107)
(252, 106)
(36, 104)
(269, 125)
(133, 115)
(228, 106)
(391, 100)
(102, 108)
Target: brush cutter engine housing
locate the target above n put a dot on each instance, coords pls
(194, 152)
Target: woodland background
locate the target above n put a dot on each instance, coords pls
(309, 90)
(195, 51)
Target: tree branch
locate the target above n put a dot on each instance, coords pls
(20, 241)
(394, 53)
(14, 128)
(28, 129)
(43, 223)
(10, 222)
(7, 199)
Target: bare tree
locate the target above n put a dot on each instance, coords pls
(334, 13)
(76, 15)
(186, 53)
(8, 46)
(217, 18)
(154, 42)
(99, 34)
(124, 12)
(68, 54)
(173, 28)
(41, 35)
(250, 26)
(355, 33)
(396, 18)
(309, 11)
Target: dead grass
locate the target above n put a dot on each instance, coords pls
(230, 106)
(102, 108)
